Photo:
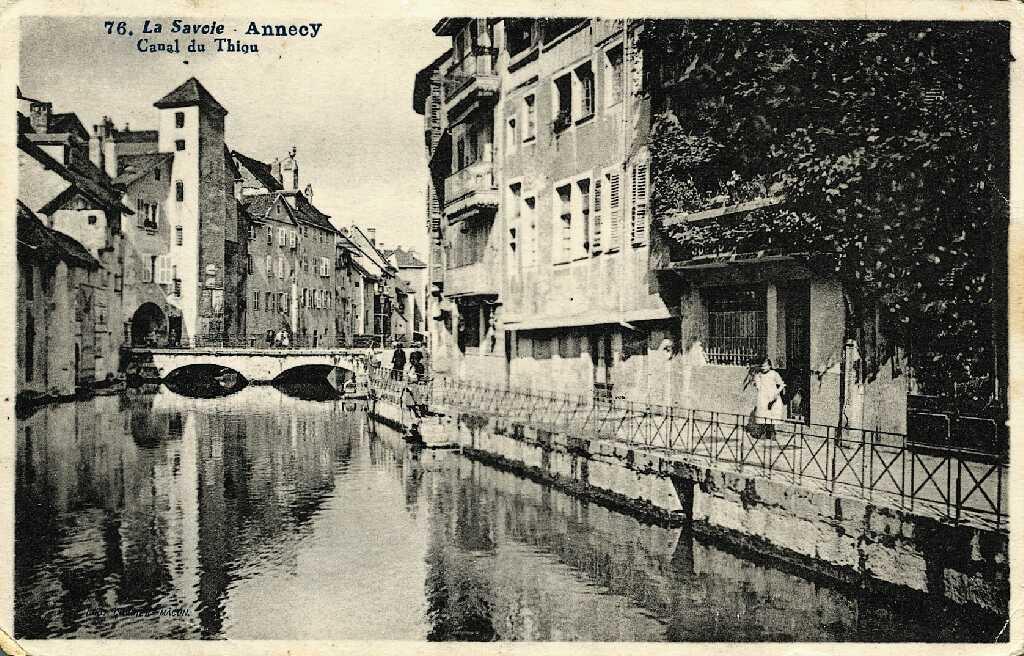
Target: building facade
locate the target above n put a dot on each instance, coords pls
(548, 267)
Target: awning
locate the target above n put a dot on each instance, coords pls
(742, 268)
(595, 318)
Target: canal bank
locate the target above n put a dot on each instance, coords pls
(863, 542)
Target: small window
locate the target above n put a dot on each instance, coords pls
(585, 86)
(541, 346)
(92, 219)
(179, 191)
(530, 130)
(511, 136)
(562, 99)
(179, 120)
(737, 325)
(563, 234)
(613, 76)
(179, 144)
(179, 235)
(156, 173)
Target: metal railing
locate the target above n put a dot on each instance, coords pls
(960, 485)
(257, 341)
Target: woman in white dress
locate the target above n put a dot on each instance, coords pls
(769, 409)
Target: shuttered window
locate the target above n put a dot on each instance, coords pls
(638, 214)
(613, 180)
(595, 219)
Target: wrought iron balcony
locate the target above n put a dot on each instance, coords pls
(470, 190)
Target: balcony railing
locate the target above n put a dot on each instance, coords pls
(473, 185)
(959, 485)
(477, 66)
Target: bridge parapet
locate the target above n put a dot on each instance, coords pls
(257, 364)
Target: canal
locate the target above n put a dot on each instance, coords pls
(271, 514)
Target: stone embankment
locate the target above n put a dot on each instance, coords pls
(855, 540)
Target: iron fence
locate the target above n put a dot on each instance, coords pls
(960, 485)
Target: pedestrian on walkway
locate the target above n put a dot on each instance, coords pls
(770, 408)
(397, 362)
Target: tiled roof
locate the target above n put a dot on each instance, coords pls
(83, 175)
(49, 244)
(190, 93)
(133, 167)
(404, 259)
(306, 212)
(136, 136)
(67, 123)
(259, 170)
(259, 205)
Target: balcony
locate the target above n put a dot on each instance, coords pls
(472, 80)
(477, 279)
(470, 190)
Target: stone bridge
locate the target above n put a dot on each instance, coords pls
(257, 364)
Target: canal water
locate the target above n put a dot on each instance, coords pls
(271, 514)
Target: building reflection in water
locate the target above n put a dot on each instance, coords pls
(262, 514)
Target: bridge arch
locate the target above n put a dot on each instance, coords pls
(204, 380)
(149, 325)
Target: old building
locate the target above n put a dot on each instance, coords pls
(558, 272)
(291, 255)
(412, 271)
(546, 259)
(59, 282)
(77, 200)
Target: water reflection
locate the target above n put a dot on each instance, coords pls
(263, 515)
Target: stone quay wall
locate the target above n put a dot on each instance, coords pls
(849, 539)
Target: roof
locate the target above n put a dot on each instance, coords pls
(190, 93)
(259, 205)
(305, 212)
(88, 180)
(449, 26)
(67, 123)
(133, 167)
(136, 136)
(404, 259)
(24, 124)
(259, 170)
(49, 244)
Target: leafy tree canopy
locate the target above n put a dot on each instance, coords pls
(889, 143)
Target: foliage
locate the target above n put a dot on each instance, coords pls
(888, 141)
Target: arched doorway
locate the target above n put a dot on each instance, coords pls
(149, 326)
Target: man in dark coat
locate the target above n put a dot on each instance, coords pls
(398, 362)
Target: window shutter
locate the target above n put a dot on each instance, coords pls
(639, 204)
(595, 219)
(614, 211)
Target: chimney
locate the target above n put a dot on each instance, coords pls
(275, 170)
(39, 116)
(96, 148)
(371, 233)
(290, 166)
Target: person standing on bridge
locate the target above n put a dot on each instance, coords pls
(397, 362)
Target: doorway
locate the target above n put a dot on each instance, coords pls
(797, 375)
(600, 344)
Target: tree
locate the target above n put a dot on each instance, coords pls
(888, 141)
